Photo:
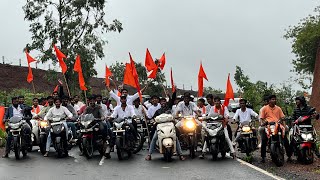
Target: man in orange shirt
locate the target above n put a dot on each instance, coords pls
(271, 113)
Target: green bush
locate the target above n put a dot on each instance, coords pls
(5, 96)
(3, 136)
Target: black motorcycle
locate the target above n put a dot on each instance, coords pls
(92, 137)
(248, 140)
(276, 134)
(43, 135)
(59, 137)
(19, 138)
(124, 138)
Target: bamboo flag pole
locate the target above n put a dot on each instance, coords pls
(85, 96)
(64, 76)
(34, 89)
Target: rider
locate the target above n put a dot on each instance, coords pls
(271, 113)
(124, 92)
(222, 110)
(15, 110)
(70, 122)
(123, 111)
(45, 109)
(36, 108)
(155, 106)
(244, 115)
(57, 111)
(201, 106)
(97, 113)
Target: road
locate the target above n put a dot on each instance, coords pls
(76, 167)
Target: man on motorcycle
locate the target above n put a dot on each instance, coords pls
(155, 106)
(98, 113)
(221, 110)
(302, 109)
(57, 111)
(45, 109)
(201, 106)
(71, 122)
(36, 108)
(210, 101)
(271, 113)
(15, 110)
(244, 115)
(123, 111)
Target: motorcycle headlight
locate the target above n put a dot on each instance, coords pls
(190, 125)
(272, 128)
(246, 128)
(62, 128)
(118, 125)
(309, 136)
(43, 124)
(304, 136)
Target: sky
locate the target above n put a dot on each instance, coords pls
(221, 34)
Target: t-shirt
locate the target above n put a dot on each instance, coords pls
(186, 110)
(245, 116)
(271, 114)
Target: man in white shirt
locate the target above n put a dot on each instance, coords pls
(104, 108)
(123, 111)
(220, 109)
(209, 98)
(244, 115)
(124, 92)
(155, 106)
(77, 102)
(58, 111)
(139, 109)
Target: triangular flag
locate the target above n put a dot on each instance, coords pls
(56, 89)
(135, 76)
(30, 60)
(162, 61)
(153, 75)
(60, 57)
(108, 74)
(201, 75)
(229, 92)
(2, 111)
(128, 77)
(77, 68)
(149, 63)
(172, 83)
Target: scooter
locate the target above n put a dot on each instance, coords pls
(167, 138)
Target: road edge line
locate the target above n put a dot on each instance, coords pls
(259, 169)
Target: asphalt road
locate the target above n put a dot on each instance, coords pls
(76, 167)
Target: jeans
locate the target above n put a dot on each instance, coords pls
(226, 135)
(26, 134)
(49, 136)
(72, 126)
(154, 141)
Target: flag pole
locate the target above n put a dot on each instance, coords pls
(34, 89)
(64, 76)
(85, 96)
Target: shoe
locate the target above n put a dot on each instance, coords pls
(107, 156)
(5, 155)
(263, 160)
(202, 156)
(182, 158)
(46, 154)
(148, 158)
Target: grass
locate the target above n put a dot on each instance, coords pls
(3, 136)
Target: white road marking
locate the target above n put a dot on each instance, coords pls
(101, 161)
(260, 170)
(165, 167)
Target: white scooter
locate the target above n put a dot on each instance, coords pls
(35, 133)
(167, 138)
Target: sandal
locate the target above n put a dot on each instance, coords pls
(148, 158)
(182, 158)
(46, 154)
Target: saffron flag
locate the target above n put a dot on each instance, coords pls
(135, 76)
(60, 57)
(172, 83)
(201, 75)
(108, 74)
(128, 77)
(162, 61)
(2, 111)
(151, 65)
(30, 60)
(77, 68)
(229, 92)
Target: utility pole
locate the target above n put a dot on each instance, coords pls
(2, 59)
(20, 62)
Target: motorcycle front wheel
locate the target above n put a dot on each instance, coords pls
(119, 150)
(307, 156)
(138, 144)
(167, 154)
(87, 148)
(16, 147)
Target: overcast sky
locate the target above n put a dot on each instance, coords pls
(223, 34)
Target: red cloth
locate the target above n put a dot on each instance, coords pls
(162, 61)
(77, 68)
(60, 57)
(108, 74)
(30, 60)
(229, 92)
(201, 75)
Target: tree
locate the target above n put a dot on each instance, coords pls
(305, 41)
(210, 90)
(76, 25)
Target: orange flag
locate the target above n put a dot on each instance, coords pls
(135, 76)
(60, 57)
(201, 75)
(108, 74)
(229, 92)
(2, 126)
(151, 65)
(30, 60)
(162, 61)
(128, 77)
(56, 88)
(172, 84)
(77, 68)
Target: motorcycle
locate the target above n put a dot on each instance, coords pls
(167, 138)
(142, 135)
(19, 143)
(303, 138)
(92, 139)
(276, 133)
(124, 138)
(58, 136)
(190, 136)
(215, 137)
(248, 141)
